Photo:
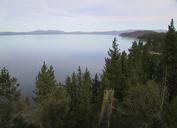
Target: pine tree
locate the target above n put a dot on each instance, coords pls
(136, 64)
(112, 71)
(72, 89)
(79, 76)
(171, 114)
(96, 90)
(124, 72)
(14, 109)
(45, 83)
(140, 106)
(8, 86)
(170, 60)
(152, 62)
(52, 100)
(85, 99)
(96, 101)
(54, 110)
(79, 89)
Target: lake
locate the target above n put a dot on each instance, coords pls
(24, 55)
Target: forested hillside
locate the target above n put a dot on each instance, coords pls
(144, 81)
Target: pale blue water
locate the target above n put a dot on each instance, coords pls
(23, 56)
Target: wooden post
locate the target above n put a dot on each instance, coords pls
(106, 108)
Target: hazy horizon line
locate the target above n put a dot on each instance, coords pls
(117, 30)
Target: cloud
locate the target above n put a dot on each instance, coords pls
(18, 15)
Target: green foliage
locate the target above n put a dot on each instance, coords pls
(112, 75)
(53, 112)
(96, 101)
(51, 100)
(45, 83)
(8, 86)
(152, 61)
(171, 114)
(170, 60)
(136, 64)
(140, 106)
(14, 109)
(79, 89)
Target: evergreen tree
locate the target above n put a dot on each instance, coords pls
(52, 100)
(140, 107)
(112, 71)
(96, 101)
(96, 86)
(8, 94)
(45, 83)
(79, 89)
(171, 114)
(54, 110)
(85, 94)
(152, 62)
(14, 109)
(124, 72)
(72, 89)
(136, 64)
(170, 60)
(8, 86)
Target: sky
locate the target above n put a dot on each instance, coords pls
(86, 15)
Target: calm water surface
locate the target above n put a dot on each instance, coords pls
(23, 56)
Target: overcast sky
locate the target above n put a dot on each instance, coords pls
(86, 15)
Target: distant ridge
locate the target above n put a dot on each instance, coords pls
(53, 32)
(142, 33)
(37, 32)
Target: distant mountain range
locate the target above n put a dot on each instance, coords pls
(52, 32)
(145, 34)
